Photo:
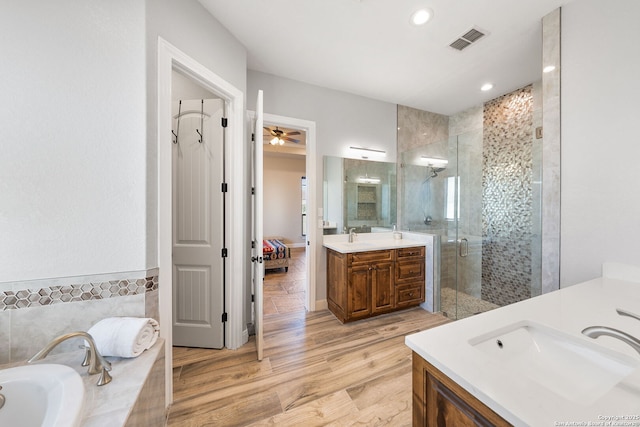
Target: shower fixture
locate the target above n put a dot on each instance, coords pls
(435, 171)
(435, 162)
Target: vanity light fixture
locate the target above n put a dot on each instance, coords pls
(421, 16)
(366, 152)
(434, 161)
(548, 68)
(487, 86)
(368, 180)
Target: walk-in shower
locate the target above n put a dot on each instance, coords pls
(483, 203)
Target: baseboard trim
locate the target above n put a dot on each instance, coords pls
(321, 304)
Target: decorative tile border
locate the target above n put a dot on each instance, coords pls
(12, 300)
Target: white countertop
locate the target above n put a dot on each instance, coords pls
(519, 397)
(367, 242)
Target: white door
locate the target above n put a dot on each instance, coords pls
(258, 202)
(198, 278)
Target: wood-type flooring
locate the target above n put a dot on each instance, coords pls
(315, 372)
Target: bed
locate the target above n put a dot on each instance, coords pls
(275, 254)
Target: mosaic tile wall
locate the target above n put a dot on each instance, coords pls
(11, 300)
(507, 197)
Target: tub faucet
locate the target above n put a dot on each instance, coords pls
(596, 331)
(352, 235)
(622, 312)
(97, 364)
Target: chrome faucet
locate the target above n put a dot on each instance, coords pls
(622, 312)
(352, 235)
(97, 364)
(596, 331)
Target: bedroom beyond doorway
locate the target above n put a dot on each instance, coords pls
(284, 292)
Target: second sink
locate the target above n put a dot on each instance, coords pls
(571, 367)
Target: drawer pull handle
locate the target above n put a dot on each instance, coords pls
(410, 294)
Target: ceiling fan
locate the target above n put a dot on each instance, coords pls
(280, 136)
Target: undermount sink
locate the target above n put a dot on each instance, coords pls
(571, 367)
(45, 395)
(358, 244)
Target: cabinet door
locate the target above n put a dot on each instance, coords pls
(359, 292)
(382, 287)
(438, 401)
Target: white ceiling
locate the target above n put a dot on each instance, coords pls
(369, 48)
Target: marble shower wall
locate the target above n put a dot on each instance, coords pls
(420, 133)
(550, 250)
(32, 313)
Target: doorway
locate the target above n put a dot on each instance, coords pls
(285, 217)
(312, 246)
(172, 59)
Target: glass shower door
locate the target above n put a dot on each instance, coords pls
(442, 195)
(464, 200)
(460, 202)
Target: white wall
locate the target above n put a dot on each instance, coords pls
(342, 120)
(72, 168)
(600, 145)
(283, 197)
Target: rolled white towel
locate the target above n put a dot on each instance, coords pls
(124, 336)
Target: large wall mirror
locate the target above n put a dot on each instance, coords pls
(358, 194)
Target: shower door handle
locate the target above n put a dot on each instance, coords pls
(464, 247)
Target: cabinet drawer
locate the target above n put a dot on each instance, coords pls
(416, 251)
(409, 294)
(410, 270)
(369, 256)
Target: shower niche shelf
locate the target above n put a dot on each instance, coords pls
(367, 208)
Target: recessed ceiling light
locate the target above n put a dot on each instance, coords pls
(421, 17)
(487, 86)
(548, 68)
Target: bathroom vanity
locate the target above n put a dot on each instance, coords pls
(530, 364)
(371, 277)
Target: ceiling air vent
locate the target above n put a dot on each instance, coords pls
(467, 39)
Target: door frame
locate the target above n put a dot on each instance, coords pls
(171, 58)
(312, 178)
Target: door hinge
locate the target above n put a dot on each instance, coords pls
(224, 187)
(253, 136)
(253, 244)
(224, 252)
(253, 190)
(224, 317)
(224, 122)
(253, 298)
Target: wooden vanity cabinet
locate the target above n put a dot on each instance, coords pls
(365, 284)
(440, 401)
